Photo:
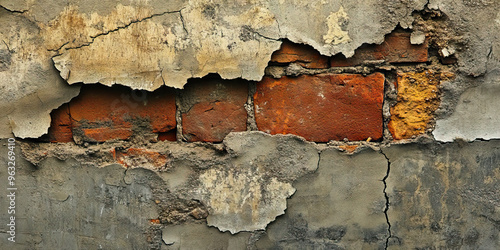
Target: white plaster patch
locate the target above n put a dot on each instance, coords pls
(336, 31)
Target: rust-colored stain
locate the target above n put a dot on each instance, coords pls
(418, 99)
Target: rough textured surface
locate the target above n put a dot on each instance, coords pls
(449, 198)
(61, 204)
(243, 189)
(411, 176)
(476, 47)
(259, 179)
(102, 113)
(304, 55)
(322, 107)
(417, 100)
(340, 206)
(476, 114)
(162, 37)
(199, 236)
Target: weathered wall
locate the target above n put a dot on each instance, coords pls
(250, 124)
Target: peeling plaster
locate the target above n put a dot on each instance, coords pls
(147, 44)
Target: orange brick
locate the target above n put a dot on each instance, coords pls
(322, 107)
(212, 108)
(304, 55)
(395, 49)
(103, 113)
(60, 125)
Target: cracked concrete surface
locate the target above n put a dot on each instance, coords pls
(254, 191)
(371, 199)
(159, 44)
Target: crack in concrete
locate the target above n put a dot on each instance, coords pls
(117, 29)
(182, 21)
(387, 202)
(13, 11)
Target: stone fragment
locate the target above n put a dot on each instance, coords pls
(417, 37)
(322, 107)
(212, 108)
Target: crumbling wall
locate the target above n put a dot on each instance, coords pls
(250, 124)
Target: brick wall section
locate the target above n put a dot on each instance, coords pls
(319, 107)
(322, 107)
(395, 49)
(212, 108)
(304, 55)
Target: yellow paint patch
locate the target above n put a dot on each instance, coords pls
(418, 99)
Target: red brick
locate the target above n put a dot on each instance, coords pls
(60, 125)
(302, 54)
(212, 108)
(395, 49)
(322, 107)
(103, 113)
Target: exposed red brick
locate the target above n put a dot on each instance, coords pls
(305, 55)
(60, 125)
(395, 49)
(139, 157)
(322, 107)
(102, 113)
(212, 108)
(448, 60)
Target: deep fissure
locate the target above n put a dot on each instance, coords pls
(387, 202)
